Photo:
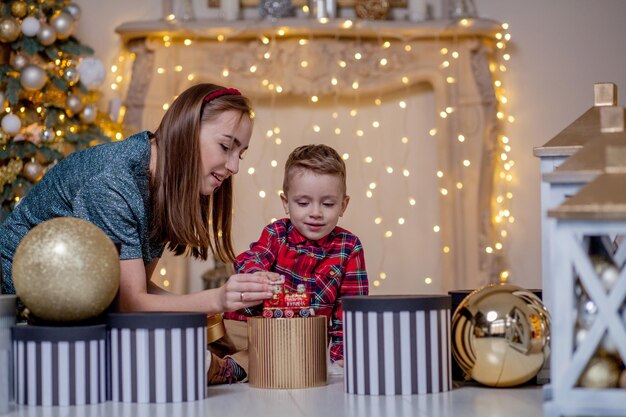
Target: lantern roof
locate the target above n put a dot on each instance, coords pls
(602, 199)
(590, 161)
(585, 128)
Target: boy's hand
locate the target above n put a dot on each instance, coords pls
(339, 363)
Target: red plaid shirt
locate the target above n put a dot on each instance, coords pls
(330, 268)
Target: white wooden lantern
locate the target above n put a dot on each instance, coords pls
(554, 152)
(578, 170)
(598, 209)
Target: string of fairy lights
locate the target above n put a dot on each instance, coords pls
(446, 121)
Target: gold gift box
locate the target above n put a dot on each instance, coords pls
(287, 353)
(215, 329)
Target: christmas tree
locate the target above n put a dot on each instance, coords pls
(48, 92)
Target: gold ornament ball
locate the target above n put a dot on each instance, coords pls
(19, 8)
(601, 372)
(9, 29)
(371, 9)
(71, 75)
(89, 113)
(500, 335)
(74, 10)
(63, 23)
(18, 61)
(33, 78)
(32, 171)
(622, 379)
(66, 269)
(74, 103)
(47, 35)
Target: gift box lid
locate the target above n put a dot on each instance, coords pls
(28, 333)
(156, 320)
(395, 303)
(7, 305)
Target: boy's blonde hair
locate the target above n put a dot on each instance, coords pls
(320, 159)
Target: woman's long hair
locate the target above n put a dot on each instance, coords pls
(185, 220)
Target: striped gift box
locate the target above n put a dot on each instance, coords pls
(397, 345)
(7, 320)
(59, 365)
(157, 357)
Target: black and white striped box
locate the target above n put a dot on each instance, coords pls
(397, 345)
(7, 320)
(59, 365)
(157, 357)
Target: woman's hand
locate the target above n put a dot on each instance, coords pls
(247, 290)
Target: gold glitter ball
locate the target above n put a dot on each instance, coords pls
(66, 269)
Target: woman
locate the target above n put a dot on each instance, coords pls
(171, 188)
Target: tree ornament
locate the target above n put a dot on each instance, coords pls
(30, 26)
(581, 335)
(74, 103)
(70, 74)
(63, 23)
(463, 8)
(74, 10)
(33, 78)
(371, 9)
(32, 171)
(11, 124)
(18, 62)
(47, 35)
(601, 372)
(91, 71)
(276, 8)
(4, 138)
(89, 113)
(9, 29)
(587, 311)
(609, 277)
(501, 335)
(19, 8)
(66, 269)
(48, 135)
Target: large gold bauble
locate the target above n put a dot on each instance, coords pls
(501, 335)
(66, 269)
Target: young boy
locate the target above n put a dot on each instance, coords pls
(308, 248)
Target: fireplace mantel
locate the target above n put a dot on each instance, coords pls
(250, 29)
(416, 53)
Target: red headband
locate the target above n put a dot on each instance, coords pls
(221, 92)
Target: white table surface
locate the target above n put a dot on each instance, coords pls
(328, 401)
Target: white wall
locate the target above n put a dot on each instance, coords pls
(559, 49)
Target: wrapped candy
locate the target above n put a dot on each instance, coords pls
(285, 303)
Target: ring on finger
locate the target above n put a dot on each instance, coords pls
(241, 296)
